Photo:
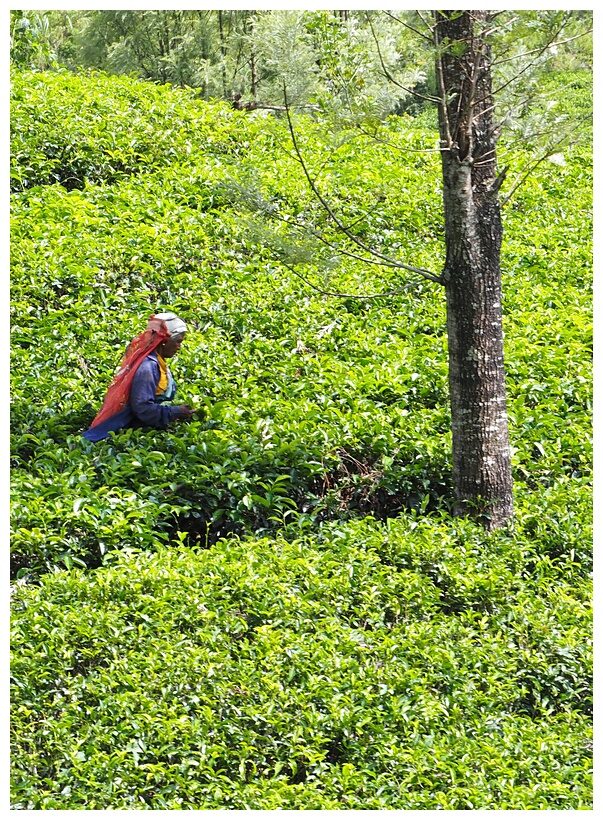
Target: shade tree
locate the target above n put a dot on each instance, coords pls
(467, 48)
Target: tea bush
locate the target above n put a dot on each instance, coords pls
(270, 607)
(371, 667)
(103, 129)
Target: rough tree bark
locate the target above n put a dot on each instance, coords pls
(480, 441)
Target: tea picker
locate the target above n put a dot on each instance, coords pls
(136, 397)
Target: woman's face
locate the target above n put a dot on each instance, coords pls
(172, 346)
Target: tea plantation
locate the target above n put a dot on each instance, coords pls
(271, 607)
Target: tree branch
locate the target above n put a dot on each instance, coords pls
(394, 145)
(387, 74)
(532, 166)
(394, 262)
(366, 260)
(443, 105)
(489, 32)
(411, 28)
(351, 295)
(427, 26)
(343, 251)
(471, 97)
(540, 51)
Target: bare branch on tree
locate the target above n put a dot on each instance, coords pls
(394, 262)
(352, 255)
(540, 51)
(411, 28)
(395, 146)
(333, 246)
(533, 165)
(395, 292)
(387, 74)
(426, 24)
(441, 85)
(489, 32)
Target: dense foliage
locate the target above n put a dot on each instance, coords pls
(347, 57)
(271, 607)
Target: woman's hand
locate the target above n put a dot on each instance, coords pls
(185, 411)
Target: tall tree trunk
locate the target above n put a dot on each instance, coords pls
(253, 64)
(205, 49)
(254, 73)
(223, 52)
(480, 440)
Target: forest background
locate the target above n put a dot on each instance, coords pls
(273, 607)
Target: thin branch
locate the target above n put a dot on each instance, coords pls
(492, 15)
(426, 24)
(485, 159)
(408, 26)
(346, 89)
(387, 74)
(541, 51)
(352, 255)
(350, 295)
(485, 111)
(522, 179)
(253, 105)
(442, 87)
(421, 271)
(489, 32)
(532, 167)
(515, 78)
(338, 249)
(394, 145)
(473, 88)
(294, 156)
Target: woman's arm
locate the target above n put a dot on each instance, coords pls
(142, 397)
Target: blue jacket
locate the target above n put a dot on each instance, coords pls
(144, 407)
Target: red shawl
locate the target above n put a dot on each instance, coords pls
(139, 348)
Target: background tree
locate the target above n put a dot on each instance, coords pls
(30, 41)
(231, 53)
(206, 49)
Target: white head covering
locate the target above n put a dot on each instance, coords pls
(174, 325)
